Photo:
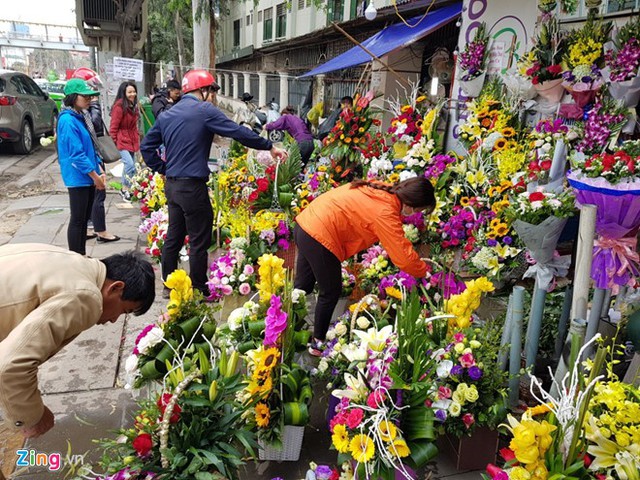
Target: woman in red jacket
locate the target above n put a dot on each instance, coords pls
(125, 115)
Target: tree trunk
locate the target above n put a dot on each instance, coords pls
(201, 34)
(177, 22)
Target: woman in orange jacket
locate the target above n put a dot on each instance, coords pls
(347, 220)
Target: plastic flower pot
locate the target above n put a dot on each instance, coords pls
(551, 91)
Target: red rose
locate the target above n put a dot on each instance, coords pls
(536, 197)
(555, 69)
(263, 184)
(545, 164)
(142, 444)
(162, 404)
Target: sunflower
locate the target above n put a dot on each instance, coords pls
(388, 431)
(500, 144)
(262, 415)
(267, 359)
(508, 132)
(361, 448)
(340, 438)
(399, 448)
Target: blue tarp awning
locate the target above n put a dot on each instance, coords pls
(389, 39)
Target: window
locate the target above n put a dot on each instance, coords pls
(300, 4)
(268, 25)
(335, 11)
(236, 33)
(281, 20)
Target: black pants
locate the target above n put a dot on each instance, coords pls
(306, 149)
(80, 204)
(316, 264)
(190, 214)
(97, 212)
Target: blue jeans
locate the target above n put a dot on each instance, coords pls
(129, 167)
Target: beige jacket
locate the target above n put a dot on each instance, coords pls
(48, 296)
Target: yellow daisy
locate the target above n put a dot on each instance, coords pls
(361, 448)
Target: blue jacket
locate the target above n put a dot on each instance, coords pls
(76, 153)
(187, 130)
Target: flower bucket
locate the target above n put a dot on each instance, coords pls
(289, 256)
(473, 87)
(290, 449)
(471, 452)
(552, 91)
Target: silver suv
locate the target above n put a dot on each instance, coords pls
(25, 111)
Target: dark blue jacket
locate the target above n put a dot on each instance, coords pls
(187, 130)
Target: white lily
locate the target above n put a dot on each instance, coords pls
(373, 338)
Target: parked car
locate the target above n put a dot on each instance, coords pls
(26, 112)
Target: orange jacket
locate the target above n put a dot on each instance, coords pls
(348, 220)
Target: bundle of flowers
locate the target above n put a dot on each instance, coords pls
(343, 144)
(604, 120)
(472, 61)
(192, 430)
(547, 136)
(615, 167)
(188, 324)
(469, 390)
(231, 273)
(148, 188)
(277, 392)
(544, 61)
(623, 61)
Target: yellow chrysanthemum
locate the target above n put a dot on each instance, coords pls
(263, 415)
(399, 448)
(361, 448)
(388, 431)
(340, 438)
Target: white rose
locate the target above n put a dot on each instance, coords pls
(131, 364)
(363, 322)
(340, 329)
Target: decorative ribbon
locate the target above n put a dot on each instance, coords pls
(544, 273)
(623, 252)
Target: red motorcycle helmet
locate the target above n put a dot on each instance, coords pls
(195, 79)
(88, 76)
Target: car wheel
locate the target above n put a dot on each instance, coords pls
(54, 124)
(25, 143)
(276, 135)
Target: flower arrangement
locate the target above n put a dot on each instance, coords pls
(535, 207)
(614, 167)
(604, 120)
(343, 144)
(192, 430)
(472, 61)
(544, 61)
(187, 324)
(469, 389)
(231, 273)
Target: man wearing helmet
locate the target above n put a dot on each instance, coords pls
(187, 131)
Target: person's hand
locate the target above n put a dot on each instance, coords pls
(43, 426)
(279, 153)
(100, 182)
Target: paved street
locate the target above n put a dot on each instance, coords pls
(83, 383)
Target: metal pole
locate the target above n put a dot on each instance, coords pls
(594, 315)
(564, 322)
(516, 345)
(506, 335)
(535, 325)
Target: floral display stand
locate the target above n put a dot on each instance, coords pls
(471, 452)
(289, 451)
